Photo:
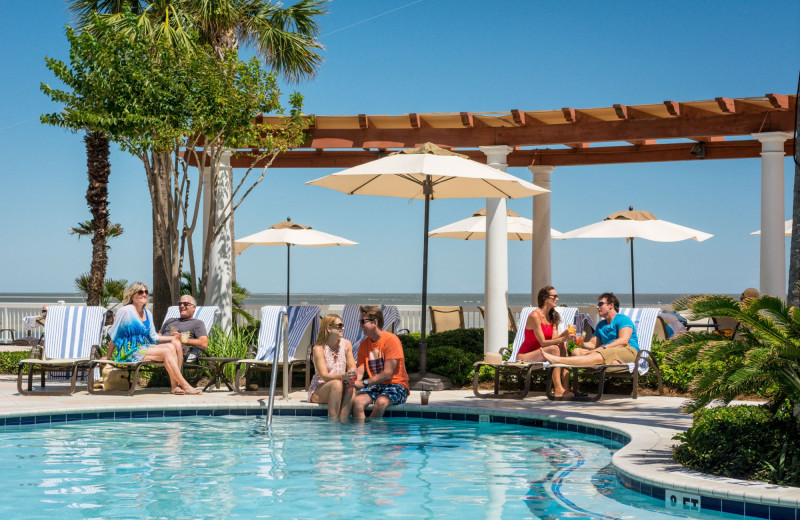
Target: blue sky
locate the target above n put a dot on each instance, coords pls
(437, 56)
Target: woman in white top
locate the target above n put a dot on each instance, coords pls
(334, 365)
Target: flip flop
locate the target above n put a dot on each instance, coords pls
(195, 391)
(178, 391)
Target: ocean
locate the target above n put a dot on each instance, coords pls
(463, 299)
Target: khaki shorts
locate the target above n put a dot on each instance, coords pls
(626, 354)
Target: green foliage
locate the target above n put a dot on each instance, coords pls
(112, 289)
(453, 362)
(231, 345)
(10, 360)
(762, 358)
(745, 442)
(450, 353)
(84, 229)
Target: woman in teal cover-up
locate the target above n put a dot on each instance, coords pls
(134, 338)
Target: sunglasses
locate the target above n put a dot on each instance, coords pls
(339, 326)
(185, 304)
(142, 291)
(600, 304)
(553, 296)
(365, 320)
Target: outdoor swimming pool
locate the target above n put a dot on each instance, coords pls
(310, 467)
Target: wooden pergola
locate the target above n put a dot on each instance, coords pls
(720, 128)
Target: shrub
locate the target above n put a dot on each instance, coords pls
(745, 442)
(10, 360)
(453, 363)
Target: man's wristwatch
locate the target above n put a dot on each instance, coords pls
(365, 381)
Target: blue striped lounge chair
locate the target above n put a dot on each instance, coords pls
(208, 314)
(271, 335)
(351, 316)
(645, 320)
(72, 333)
(525, 369)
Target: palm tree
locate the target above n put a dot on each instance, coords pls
(762, 357)
(111, 289)
(285, 38)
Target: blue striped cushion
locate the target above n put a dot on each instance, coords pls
(205, 313)
(71, 330)
(644, 319)
(351, 318)
(271, 333)
(520, 337)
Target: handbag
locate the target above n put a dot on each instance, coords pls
(115, 379)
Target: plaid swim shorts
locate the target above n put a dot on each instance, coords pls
(397, 394)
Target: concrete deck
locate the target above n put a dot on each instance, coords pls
(650, 421)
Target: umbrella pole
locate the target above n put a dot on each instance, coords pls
(427, 188)
(288, 271)
(633, 289)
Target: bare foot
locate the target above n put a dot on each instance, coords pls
(177, 391)
(192, 391)
(549, 357)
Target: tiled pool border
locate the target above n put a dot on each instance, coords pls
(758, 510)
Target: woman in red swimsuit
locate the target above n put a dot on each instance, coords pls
(539, 336)
(540, 327)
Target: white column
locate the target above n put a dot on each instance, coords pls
(773, 243)
(495, 334)
(218, 287)
(541, 273)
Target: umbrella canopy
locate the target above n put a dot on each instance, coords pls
(636, 224)
(290, 234)
(427, 172)
(787, 229)
(474, 228)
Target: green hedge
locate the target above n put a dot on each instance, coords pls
(744, 442)
(451, 354)
(10, 360)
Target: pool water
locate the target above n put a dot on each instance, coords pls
(311, 468)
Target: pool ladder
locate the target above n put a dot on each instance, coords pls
(283, 323)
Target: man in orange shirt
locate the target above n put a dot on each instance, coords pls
(381, 377)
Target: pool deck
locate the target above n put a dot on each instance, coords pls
(650, 422)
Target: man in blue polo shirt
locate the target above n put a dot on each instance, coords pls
(614, 340)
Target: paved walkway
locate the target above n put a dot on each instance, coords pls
(650, 421)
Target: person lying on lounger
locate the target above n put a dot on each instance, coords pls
(614, 340)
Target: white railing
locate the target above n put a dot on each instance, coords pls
(11, 316)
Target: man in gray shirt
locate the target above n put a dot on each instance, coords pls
(197, 341)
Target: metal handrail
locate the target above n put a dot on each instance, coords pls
(283, 322)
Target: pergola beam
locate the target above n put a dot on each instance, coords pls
(525, 157)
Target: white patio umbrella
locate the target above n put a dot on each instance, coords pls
(427, 172)
(290, 234)
(636, 224)
(787, 229)
(474, 228)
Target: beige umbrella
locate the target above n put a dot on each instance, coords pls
(787, 229)
(636, 224)
(427, 172)
(290, 234)
(474, 228)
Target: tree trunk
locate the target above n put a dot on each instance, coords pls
(162, 288)
(794, 247)
(99, 168)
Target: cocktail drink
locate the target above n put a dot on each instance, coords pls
(571, 330)
(423, 397)
(579, 340)
(184, 337)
